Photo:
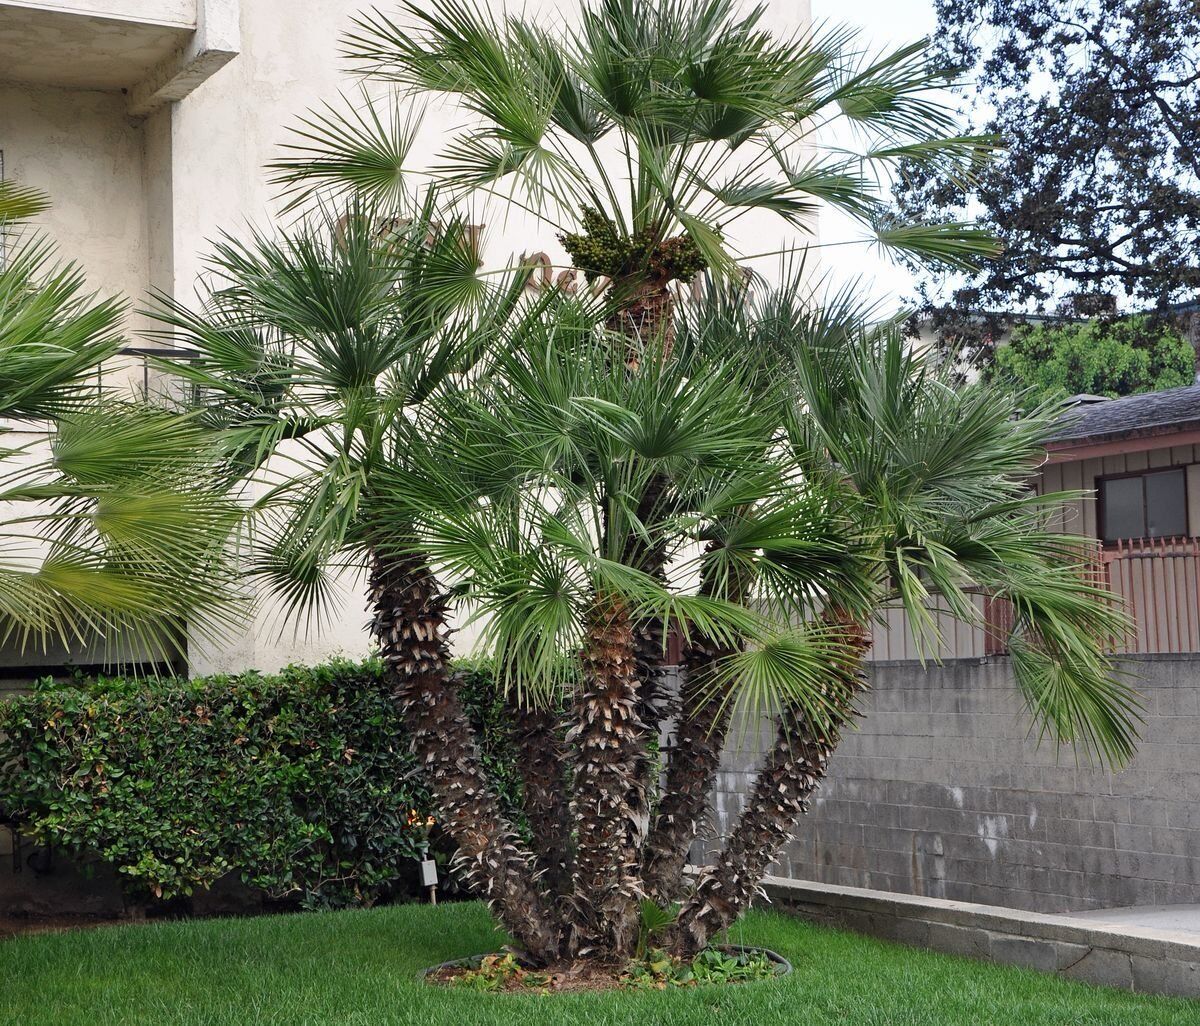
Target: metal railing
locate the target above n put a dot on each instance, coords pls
(135, 368)
(1159, 581)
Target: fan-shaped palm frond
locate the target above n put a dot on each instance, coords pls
(313, 352)
(939, 480)
(666, 119)
(111, 537)
(530, 498)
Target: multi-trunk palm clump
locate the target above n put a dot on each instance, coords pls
(578, 475)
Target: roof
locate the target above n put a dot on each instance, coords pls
(1152, 413)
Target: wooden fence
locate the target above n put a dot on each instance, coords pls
(1156, 579)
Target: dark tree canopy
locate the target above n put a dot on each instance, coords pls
(1117, 357)
(1096, 104)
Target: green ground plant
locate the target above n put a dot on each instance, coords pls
(363, 968)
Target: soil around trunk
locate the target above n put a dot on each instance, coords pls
(17, 926)
(510, 973)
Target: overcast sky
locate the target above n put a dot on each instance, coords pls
(885, 24)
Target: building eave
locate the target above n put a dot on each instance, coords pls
(1154, 436)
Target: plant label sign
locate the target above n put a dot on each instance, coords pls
(428, 873)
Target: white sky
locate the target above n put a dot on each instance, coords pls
(885, 24)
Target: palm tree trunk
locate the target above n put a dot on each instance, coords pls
(791, 772)
(691, 773)
(646, 317)
(607, 740)
(694, 761)
(537, 735)
(652, 709)
(649, 655)
(410, 625)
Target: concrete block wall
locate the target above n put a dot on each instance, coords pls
(944, 792)
(1154, 961)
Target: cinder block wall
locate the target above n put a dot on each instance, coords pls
(943, 792)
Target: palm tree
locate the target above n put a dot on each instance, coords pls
(795, 506)
(459, 445)
(934, 480)
(642, 135)
(316, 353)
(529, 502)
(564, 473)
(110, 535)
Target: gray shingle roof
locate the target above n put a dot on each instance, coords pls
(1152, 413)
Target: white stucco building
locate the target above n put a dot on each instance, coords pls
(149, 122)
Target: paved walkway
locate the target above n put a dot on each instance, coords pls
(1160, 917)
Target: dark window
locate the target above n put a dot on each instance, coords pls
(1144, 506)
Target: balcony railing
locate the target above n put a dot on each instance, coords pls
(1159, 581)
(136, 369)
(1156, 581)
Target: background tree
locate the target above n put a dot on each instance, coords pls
(1117, 357)
(1096, 104)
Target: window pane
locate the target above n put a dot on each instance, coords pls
(1124, 514)
(1166, 504)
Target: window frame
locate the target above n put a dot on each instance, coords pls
(1101, 507)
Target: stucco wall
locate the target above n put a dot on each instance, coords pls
(80, 148)
(942, 792)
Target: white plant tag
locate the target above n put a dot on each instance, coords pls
(428, 873)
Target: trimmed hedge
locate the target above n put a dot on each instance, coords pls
(300, 782)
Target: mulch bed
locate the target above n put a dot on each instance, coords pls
(16, 926)
(564, 980)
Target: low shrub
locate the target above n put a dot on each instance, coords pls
(300, 782)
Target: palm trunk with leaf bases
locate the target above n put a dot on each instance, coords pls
(791, 772)
(410, 626)
(645, 315)
(621, 705)
(649, 651)
(692, 764)
(537, 733)
(605, 741)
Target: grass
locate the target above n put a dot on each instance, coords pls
(360, 969)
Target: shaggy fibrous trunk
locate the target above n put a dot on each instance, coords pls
(649, 654)
(791, 772)
(694, 759)
(646, 317)
(606, 743)
(410, 626)
(538, 738)
(692, 768)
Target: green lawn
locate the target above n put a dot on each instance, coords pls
(361, 968)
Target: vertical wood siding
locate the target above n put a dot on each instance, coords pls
(1158, 579)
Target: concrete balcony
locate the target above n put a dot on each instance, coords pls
(153, 51)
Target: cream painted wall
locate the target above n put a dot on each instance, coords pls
(80, 148)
